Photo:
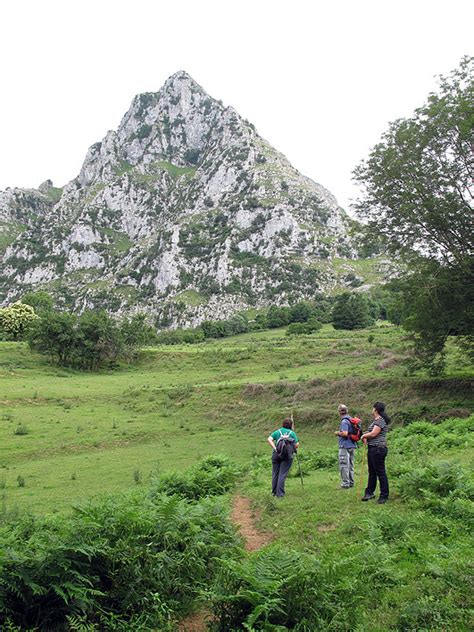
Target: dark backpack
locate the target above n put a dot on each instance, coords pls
(355, 432)
(285, 447)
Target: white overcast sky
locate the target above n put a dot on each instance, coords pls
(320, 80)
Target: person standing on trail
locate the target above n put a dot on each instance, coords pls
(347, 448)
(284, 443)
(376, 440)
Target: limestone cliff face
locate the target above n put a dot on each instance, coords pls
(184, 212)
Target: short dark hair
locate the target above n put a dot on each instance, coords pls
(287, 423)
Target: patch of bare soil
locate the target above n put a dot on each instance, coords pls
(195, 622)
(245, 518)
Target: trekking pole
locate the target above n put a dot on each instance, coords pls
(361, 469)
(296, 453)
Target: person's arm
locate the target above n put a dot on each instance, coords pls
(295, 436)
(376, 430)
(271, 442)
(343, 433)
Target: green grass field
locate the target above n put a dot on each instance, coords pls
(70, 435)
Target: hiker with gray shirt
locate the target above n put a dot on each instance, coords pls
(376, 440)
(347, 448)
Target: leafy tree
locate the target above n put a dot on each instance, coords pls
(54, 335)
(99, 339)
(88, 341)
(16, 320)
(351, 311)
(418, 201)
(300, 312)
(278, 316)
(418, 180)
(40, 301)
(135, 333)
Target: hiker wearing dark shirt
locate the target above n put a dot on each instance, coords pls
(347, 448)
(281, 463)
(376, 440)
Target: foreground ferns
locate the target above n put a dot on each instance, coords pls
(125, 562)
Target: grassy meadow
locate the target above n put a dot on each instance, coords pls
(70, 435)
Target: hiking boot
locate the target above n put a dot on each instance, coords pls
(382, 501)
(367, 497)
(345, 486)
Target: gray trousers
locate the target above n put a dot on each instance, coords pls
(280, 469)
(346, 466)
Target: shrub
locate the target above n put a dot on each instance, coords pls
(16, 321)
(308, 327)
(21, 429)
(121, 563)
(351, 311)
(276, 589)
(212, 476)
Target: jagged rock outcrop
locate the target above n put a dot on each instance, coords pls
(184, 212)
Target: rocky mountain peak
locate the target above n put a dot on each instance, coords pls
(184, 211)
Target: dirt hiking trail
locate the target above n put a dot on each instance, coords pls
(244, 518)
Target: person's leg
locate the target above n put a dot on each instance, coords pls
(372, 482)
(275, 473)
(351, 452)
(344, 467)
(284, 469)
(379, 457)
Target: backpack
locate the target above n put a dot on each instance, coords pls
(285, 446)
(355, 432)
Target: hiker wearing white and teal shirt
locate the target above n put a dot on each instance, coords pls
(281, 463)
(347, 448)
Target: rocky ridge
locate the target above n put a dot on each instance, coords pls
(183, 212)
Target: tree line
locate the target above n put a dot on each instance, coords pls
(88, 341)
(349, 310)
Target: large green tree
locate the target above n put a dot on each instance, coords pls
(351, 311)
(417, 201)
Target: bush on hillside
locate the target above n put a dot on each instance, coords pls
(16, 321)
(212, 476)
(298, 329)
(351, 311)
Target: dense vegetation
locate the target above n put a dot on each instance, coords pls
(87, 341)
(417, 203)
(347, 311)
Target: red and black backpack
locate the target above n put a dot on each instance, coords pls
(355, 431)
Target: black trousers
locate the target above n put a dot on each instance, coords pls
(376, 461)
(280, 469)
